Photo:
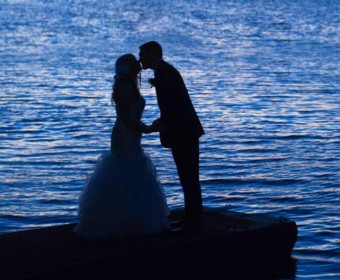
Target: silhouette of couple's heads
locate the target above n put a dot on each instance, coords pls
(128, 67)
(149, 55)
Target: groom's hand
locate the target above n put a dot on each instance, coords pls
(152, 82)
(161, 127)
(147, 129)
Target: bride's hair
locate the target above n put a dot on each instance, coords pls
(127, 71)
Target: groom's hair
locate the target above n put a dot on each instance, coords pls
(152, 47)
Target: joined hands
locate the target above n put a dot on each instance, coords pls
(157, 126)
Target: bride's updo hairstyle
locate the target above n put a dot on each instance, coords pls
(127, 71)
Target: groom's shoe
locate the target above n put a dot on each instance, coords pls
(194, 224)
(192, 227)
(176, 224)
(192, 230)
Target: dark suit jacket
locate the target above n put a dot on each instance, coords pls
(176, 109)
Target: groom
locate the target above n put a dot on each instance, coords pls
(179, 129)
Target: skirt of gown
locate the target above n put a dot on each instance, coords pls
(122, 197)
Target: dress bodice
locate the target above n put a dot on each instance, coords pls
(135, 109)
(126, 139)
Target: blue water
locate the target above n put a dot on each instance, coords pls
(263, 75)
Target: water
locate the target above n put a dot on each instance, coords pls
(263, 75)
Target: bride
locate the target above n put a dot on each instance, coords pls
(123, 196)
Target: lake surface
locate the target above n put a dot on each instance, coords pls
(263, 75)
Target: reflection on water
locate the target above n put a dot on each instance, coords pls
(262, 75)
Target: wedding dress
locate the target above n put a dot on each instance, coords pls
(123, 195)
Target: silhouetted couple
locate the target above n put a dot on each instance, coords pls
(123, 195)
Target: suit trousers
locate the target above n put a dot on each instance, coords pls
(186, 157)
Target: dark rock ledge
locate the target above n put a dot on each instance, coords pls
(231, 245)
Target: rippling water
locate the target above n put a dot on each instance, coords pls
(263, 75)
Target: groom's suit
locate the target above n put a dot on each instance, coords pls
(183, 129)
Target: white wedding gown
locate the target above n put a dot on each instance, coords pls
(123, 195)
